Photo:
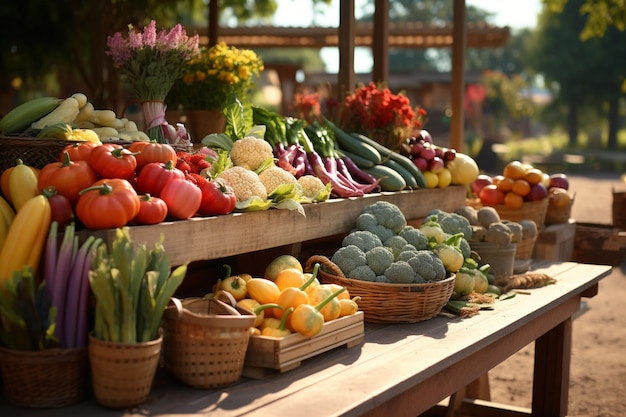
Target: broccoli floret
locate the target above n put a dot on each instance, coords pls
(383, 279)
(388, 215)
(400, 272)
(415, 237)
(395, 243)
(452, 223)
(363, 273)
(405, 255)
(379, 259)
(465, 247)
(349, 257)
(427, 266)
(362, 239)
(368, 222)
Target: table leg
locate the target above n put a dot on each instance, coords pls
(551, 373)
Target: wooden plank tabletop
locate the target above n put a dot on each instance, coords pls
(399, 369)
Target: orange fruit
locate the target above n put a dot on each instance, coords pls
(289, 277)
(506, 184)
(513, 200)
(496, 179)
(515, 170)
(521, 187)
(534, 176)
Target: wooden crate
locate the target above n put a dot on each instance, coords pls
(599, 244)
(267, 355)
(556, 242)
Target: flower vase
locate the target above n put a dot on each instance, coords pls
(49, 378)
(122, 373)
(201, 123)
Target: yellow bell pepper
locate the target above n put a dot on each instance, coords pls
(281, 330)
(307, 320)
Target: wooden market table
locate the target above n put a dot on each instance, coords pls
(401, 369)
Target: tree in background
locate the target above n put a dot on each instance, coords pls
(584, 75)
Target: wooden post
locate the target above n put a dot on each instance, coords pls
(458, 76)
(346, 48)
(380, 42)
(214, 13)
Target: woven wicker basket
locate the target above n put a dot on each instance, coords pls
(525, 248)
(48, 378)
(122, 373)
(556, 215)
(388, 303)
(33, 152)
(532, 210)
(205, 343)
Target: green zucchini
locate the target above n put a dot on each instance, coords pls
(349, 143)
(407, 164)
(409, 179)
(358, 160)
(387, 153)
(390, 180)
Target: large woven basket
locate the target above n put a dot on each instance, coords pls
(531, 210)
(205, 343)
(525, 248)
(388, 303)
(48, 378)
(33, 152)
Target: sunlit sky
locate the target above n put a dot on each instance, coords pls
(515, 14)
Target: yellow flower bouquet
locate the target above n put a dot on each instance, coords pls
(210, 78)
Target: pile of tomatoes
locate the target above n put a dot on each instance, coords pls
(108, 185)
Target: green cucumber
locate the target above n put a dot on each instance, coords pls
(407, 164)
(358, 160)
(409, 179)
(390, 180)
(387, 153)
(349, 143)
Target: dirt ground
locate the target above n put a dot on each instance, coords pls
(598, 364)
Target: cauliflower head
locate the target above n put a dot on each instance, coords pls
(387, 215)
(313, 188)
(348, 258)
(427, 266)
(363, 239)
(274, 176)
(251, 152)
(244, 182)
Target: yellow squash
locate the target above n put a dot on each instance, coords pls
(22, 185)
(26, 238)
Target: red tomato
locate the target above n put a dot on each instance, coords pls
(152, 210)
(217, 198)
(67, 177)
(152, 152)
(61, 208)
(107, 204)
(182, 197)
(78, 151)
(113, 161)
(491, 195)
(155, 175)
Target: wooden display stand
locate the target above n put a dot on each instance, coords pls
(556, 242)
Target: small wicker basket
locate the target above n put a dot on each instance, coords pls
(205, 342)
(48, 378)
(531, 210)
(556, 215)
(525, 248)
(388, 303)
